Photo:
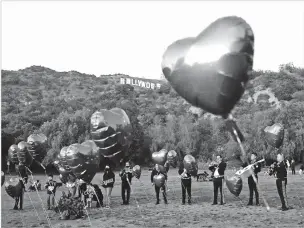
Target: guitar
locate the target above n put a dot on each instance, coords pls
(246, 172)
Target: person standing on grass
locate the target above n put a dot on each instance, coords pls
(252, 185)
(218, 177)
(186, 184)
(156, 171)
(293, 167)
(51, 186)
(108, 183)
(126, 178)
(280, 171)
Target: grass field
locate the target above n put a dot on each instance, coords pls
(142, 211)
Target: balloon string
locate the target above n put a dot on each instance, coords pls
(87, 213)
(29, 197)
(54, 196)
(45, 212)
(136, 202)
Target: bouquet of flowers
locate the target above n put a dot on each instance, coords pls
(70, 207)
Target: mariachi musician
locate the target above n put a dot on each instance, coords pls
(279, 170)
(252, 185)
(218, 170)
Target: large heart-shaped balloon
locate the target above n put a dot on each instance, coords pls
(12, 154)
(234, 184)
(274, 135)
(2, 178)
(172, 158)
(83, 160)
(190, 164)
(159, 180)
(160, 157)
(111, 131)
(24, 155)
(13, 187)
(37, 146)
(136, 171)
(211, 70)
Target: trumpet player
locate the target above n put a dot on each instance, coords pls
(252, 185)
(280, 172)
(218, 171)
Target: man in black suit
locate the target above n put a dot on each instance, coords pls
(252, 185)
(218, 171)
(156, 171)
(280, 171)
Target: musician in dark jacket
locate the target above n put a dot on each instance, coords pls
(280, 171)
(218, 171)
(252, 185)
(156, 171)
(126, 180)
(19, 199)
(186, 184)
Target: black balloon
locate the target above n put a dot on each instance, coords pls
(190, 164)
(274, 135)
(211, 70)
(13, 187)
(12, 154)
(111, 131)
(172, 158)
(159, 180)
(136, 171)
(24, 156)
(37, 146)
(234, 184)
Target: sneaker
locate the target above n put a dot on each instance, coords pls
(250, 204)
(214, 204)
(284, 208)
(189, 202)
(157, 202)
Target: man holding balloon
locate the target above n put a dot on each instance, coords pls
(218, 177)
(158, 179)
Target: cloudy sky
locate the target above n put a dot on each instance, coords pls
(101, 37)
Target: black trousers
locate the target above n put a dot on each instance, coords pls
(19, 200)
(157, 189)
(293, 171)
(125, 187)
(218, 184)
(186, 187)
(253, 188)
(281, 187)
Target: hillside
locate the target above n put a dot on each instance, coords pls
(59, 104)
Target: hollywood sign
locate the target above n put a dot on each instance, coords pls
(141, 83)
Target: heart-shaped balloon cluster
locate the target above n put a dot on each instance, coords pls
(2, 178)
(13, 187)
(274, 135)
(234, 184)
(136, 171)
(37, 146)
(190, 165)
(172, 158)
(160, 157)
(111, 132)
(159, 180)
(83, 160)
(211, 70)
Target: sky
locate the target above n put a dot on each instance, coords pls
(130, 37)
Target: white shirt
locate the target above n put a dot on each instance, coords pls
(216, 173)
